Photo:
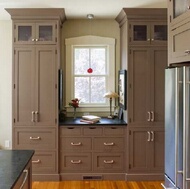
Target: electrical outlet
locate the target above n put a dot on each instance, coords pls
(7, 143)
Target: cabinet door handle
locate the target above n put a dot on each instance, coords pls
(36, 116)
(76, 161)
(25, 178)
(36, 161)
(152, 138)
(108, 144)
(108, 161)
(187, 51)
(152, 116)
(35, 138)
(76, 144)
(33, 116)
(148, 139)
(148, 116)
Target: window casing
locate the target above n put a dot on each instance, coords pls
(90, 62)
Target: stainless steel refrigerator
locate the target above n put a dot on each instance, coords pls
(177, 128)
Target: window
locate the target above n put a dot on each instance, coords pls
(90, 65)
(90, 74)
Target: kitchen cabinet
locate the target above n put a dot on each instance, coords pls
(90, 152)
(146, 151)
(147, 33)
(143, 42)
(35, 86)
(146, 86)
(179, 30)
(39, 32)
(36, 62)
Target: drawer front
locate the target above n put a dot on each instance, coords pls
(114, 131)
(35, 139)
(93, 131)
(105, 162)
(44, 162)
(76, 162)
(70, 131)
(75, 144)
(108, 144)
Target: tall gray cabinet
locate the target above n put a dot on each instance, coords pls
(143, 34)
(36, 61)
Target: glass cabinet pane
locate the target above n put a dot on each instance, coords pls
(160, 32)
(180, 6)
(24, 33)
(45, 33)
(140, 32)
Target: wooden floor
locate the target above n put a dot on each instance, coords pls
(96, 185)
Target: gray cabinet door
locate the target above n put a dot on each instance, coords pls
(146, 149)
(35, 90)
(139, 86)
(23, 85)
(146, 86)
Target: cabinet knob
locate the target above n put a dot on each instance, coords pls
(148, 39)
(188, 7)
(33, 39)
(187, 51)
(152, 39)
(37, 39)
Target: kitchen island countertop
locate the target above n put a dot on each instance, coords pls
(12, 164)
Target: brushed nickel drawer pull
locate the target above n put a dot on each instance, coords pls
(108, 161)
(76, 144)
(35, 138)
(76, 162)
(108, 144)
(25, 178)
(36, 161)
(187, 51)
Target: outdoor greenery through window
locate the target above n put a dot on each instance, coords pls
(90, 74)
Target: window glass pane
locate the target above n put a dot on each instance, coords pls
(82, 89)
(98, 60)
(98, 89)
(81, 60)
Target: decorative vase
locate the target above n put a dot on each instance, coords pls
(74, 113)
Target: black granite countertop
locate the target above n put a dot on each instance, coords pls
(102, 122)
(12, 164)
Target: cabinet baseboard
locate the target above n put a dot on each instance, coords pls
(144, 177)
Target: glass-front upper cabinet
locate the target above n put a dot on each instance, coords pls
(35, 33)
(148, 33)
(178, 10)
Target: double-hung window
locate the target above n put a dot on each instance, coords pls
(90, 70)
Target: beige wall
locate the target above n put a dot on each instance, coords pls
(103, 28)
(5, 82)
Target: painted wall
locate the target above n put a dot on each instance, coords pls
(5, 82)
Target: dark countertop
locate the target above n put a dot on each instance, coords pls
(12, 164)
(102, 122)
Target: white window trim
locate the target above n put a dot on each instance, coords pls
(89, 41)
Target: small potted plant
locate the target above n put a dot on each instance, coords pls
(75, 104)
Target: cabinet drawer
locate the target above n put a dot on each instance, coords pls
(44, 162)
(104, 162)
(35, 138)
(108, 144)
(75, 162)
(70, 131)
(92, 131)
(114, 131)
(75, 144)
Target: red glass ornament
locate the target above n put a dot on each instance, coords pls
(90, 70)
